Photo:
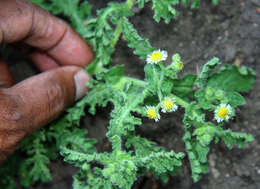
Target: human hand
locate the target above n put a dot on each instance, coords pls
(57, 51)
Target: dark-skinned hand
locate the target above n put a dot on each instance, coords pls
(58, 51)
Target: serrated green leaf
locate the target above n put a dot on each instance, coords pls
(206, 71)
(164, 9)
(234, 138)
(203, 102)
(141, 46)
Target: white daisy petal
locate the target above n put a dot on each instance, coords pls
(157, 56)
(168, 105)
(223, 112)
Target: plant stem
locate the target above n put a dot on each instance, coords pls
(117, 33)
(181, 101)
(130, 3)
(142, 83)
(125, 80)
(157, 84)
(118, 30)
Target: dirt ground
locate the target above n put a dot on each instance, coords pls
(231, 32)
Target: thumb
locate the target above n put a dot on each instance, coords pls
(40, 99)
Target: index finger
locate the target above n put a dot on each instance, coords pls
(22, 20)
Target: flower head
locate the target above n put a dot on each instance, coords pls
(152, 113)
(157, 56)
(176, 62)
(223, 112)
(168, 105)
(178, 65)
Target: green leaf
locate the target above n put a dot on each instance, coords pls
(101, 95)
(185, 2)
(233, 138)
(206, 71)
(162, 162)
(143, 147)
(167, 86)
(77, 141)
(203, 102)
(141, 3)
(202, 152)
(150, 71)
(114, 75)
(117, 143)
(184, 87)
(230, 79)
(215, 2)
(195, 4)
(235, 99)
(197, 155)
(141, 46)
(164, 9)
(35, 167)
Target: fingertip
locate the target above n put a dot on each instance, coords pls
(81, 78)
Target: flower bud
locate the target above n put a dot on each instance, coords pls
(220, 94)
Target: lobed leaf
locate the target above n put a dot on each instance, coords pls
(164, 9)
(140, 45)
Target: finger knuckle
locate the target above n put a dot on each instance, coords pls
(55, 98)
(14, 15)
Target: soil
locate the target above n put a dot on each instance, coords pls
(229, 31)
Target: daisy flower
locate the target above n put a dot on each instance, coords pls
(152, 113)
(157, 56)
(168, 105)
(223, 112)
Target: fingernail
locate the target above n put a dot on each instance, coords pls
(80, 79)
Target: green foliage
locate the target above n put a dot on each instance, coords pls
(215, 89)
(184, 87)
(142, 46)
(196, 3)
(35, 168)
(163, 9)
(141, 3)
(228, 77)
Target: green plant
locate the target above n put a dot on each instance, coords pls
(215, 90)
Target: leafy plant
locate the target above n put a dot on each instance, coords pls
(215, 91)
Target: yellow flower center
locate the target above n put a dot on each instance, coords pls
(168, 104)
(151, 113)
(157, 56)
(222, 112)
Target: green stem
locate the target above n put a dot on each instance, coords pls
(118, 29)
(125, 80)
(117, 33)
(130, 3)
(181, 101)
(157, 81)
(142, 83)
(97, 68)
